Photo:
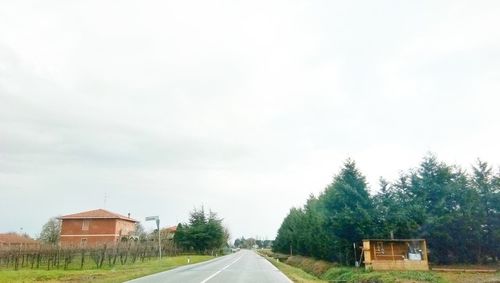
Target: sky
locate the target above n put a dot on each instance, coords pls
(242, 107)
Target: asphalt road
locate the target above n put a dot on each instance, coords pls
(240, 267)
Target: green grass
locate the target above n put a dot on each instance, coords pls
(118, 273)
(349, 274)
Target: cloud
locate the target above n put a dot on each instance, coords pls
(246, 108)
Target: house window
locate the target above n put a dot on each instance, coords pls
(83, 241)
(85, 225)
(379, 249)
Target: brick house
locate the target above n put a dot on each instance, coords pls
(168, 233)
(95, 227)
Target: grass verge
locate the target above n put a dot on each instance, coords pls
(301, 269)
(118, 273)
(295, 274)
(470, 277)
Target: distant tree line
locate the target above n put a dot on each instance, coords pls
(456, 211)
(203, 234)
(251, 243)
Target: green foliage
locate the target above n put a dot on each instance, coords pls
(204, 232)
(327, 226)
(348, 212)
(486, 185)
(457, 212)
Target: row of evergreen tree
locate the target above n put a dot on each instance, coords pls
(456, 211)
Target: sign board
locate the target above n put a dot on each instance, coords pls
(157, 219)
(149, 218)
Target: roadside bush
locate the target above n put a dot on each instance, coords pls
(280, 257)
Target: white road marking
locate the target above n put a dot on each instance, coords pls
(276, 269)
(215, 274)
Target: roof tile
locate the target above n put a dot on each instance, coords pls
(14, 238)
(97, 213)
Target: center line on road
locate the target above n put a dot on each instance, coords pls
(215, 274)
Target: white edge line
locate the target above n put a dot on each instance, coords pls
(215, 274)
(191, 265)
(283, 274)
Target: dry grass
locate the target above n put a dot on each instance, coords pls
(470, 277)
(297, 266)
(295, 274)
(467, 277)
(316, 267)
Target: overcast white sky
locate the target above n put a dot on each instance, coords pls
(244, 107)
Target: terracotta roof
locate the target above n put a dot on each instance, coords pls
(97, 213)
(171, 229)
(14, 238)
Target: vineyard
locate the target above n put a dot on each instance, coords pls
(71, 258)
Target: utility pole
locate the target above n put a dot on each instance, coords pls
(355, 257)
(157, 219)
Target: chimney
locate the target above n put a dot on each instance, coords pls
(129, 215)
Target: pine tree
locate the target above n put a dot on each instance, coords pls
(203, 233)
(487, 186)
(348, 212)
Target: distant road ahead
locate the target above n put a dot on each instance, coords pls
(243, 266)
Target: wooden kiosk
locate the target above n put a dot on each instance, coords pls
(395, 254)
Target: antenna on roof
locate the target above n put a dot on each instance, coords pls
(105, 199)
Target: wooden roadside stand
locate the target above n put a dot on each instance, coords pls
(395, 254)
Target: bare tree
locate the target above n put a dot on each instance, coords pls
(51, 231)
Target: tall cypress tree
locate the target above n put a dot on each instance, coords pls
(348, 212)
(290, 233)
(487, 186)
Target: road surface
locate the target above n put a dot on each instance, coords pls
(240, 267)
